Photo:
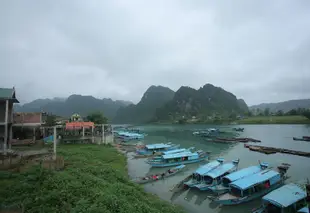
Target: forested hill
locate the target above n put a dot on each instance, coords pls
(284, 106)
(80, 104)
(153, 98)
(208, 101)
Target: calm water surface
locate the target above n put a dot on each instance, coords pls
(196, 201)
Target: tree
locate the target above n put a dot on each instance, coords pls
(266, 112)
(279, 113)
(307, 114)
(97, 118)
(50, 120)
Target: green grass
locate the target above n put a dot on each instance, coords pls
(296, 119)
(94, 180)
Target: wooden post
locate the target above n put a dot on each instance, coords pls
(103, 133)
(83, 131)
(112, 134)
(34, 134)
(11, 136)
(55, 140)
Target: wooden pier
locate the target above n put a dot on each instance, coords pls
(273, 150)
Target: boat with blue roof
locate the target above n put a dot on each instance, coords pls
(214, 177)
(198, 174)
(226, 180)
(288, 198)
(157, 155)
(150, 149)
(178, 159)
(253, 186)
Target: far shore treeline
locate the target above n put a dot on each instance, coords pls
(208, 104)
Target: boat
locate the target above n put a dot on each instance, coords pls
(226, 180)
(178, 159)
(238, 129)
(155, 177)
(304, 138)
(214, 177)
(253, 186)
(198, 174)
(151, 149)
(157, 155)
(288, 198)
(127, 136)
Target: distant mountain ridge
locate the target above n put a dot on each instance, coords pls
(206, 101)
(80, 104)
(142, 112)
(285, 106)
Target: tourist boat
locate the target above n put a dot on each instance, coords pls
(304, 138)
(157, 155)
(198, 174)
(238, 129)
(226, 180)
(214, 177)
(288, 198)
(153, 148)
(127, 136)
(178, 159)
(161, 176)
(253, 186)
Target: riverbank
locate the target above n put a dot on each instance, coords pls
(294, 119)
(94, 179)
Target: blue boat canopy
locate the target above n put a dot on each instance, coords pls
(157, 146)
(174, 151)
(304, 210)
(255, 179)
(220, 170)
(180, 155)
(207, 167)
(243, 173)
(285, 196)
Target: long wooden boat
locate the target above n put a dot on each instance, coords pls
(301, 139)
(155, 177)
(288, 198)
(178, 159)
(198, 174)
(158, 154)
(272, 150)
(226, 180)
(252, 187)
(153, 148)
(214, 177)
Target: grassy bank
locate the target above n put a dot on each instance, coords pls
(275, 120)
(94, 180)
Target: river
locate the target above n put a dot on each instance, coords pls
(196, 201)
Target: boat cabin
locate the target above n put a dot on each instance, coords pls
(288, 199)
(198, 174)
(215, 176)
(174, 151)
(226, 180)
(157, 147)
(255, 183)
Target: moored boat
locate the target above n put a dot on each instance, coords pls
(155, 177)
(151, 149)
(304, 138)
(198, 174)
(252, 187)
(288, 198)
(157, 155)
(238, 129)
(178, 159)
(214, 177)
(226, 180)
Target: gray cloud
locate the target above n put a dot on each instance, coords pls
(259, 50)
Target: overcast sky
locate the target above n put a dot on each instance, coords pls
(258, 50)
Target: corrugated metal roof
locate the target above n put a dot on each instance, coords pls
(286, 195)
(243, 173)
(174, 151)
(220, 170)
(207, 167)
(180, 155)
(157, 146)
(6, 93)
(254, 179)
